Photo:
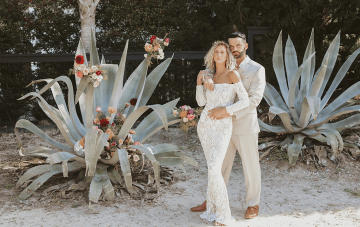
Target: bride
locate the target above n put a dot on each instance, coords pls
(215, 134)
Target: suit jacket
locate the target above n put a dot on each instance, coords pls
(253, 78)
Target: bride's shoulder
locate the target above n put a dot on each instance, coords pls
(234, 76)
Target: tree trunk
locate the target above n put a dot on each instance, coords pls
(87, 10)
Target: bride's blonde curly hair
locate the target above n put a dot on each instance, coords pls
(209, 58)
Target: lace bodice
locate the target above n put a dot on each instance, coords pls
(223, 95)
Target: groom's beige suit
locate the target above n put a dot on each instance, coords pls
(245, 132)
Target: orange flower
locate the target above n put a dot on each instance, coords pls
(183, 114)
(108, 118)
(112, 110)
(121, 141)
(82, 142)
(96, 121)
(132, 132)
(110, 133)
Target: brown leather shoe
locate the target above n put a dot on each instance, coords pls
(252, 212)
(200, 208)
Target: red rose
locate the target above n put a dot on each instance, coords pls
(133, 101)
(167, 40)
(104, 123)
(98, 73)
(152, 38)
(79, 59)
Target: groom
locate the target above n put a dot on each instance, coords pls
(245, 125)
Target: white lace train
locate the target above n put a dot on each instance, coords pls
(215, 137)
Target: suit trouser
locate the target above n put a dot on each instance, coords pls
(247, 146)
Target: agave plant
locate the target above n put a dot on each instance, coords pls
(304, 110)
(111, 92)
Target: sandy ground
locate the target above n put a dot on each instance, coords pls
(298, 196)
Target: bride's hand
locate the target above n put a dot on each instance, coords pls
(200, 77)
(209, 83)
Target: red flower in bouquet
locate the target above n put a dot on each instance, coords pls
(133, 101)
(152, 38)
(98, 73)
(104, 123)
(79, 59)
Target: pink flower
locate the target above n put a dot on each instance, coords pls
(95, 127)
(183, 107)
(98, 109)
(137, 143)
(79, 74)
(113, 144)
(156, 48)
(191, 111)
(190, 117)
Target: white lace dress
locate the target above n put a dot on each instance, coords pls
(215, 137)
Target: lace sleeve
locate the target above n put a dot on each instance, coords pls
(200, 95)
(243, 99)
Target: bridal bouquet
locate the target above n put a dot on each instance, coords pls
(94, 73)
(155, 49)
(189, 116)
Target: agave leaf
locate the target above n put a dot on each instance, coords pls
(345, 96)
(311, 106)
(79, 94)
(153, 80)
(59, 157)
(37, 151)
(152, 117)
(340, 125)
(274, 97)
(293, 84)
(306, 75)
(291, 62)
(106, 86)
(154, 129)
(339, 77)
(332, 52)
(278, 64)
(89, 107)
(150, 154)
(132, 83)
(136, 114)
(115, 176)
(334, 141)
(294, 149)
(346, 104)
(33, 128)
(52, 170)
(336, 113)
(172, 158)
(119, 80)
(94, 56)
(81, 87)
(96, 186)
(113, 160)
(60, 101)
(94, 145)
(109, 190)
(125, 168)
(65, 168)
(285, 118)
(319, 79)
(59, 123)
(138, 93)
(311, 132)
(271, 128)
(102, 60)
(165, 147)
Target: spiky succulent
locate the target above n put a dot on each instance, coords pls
(110, 92)
(304, 111)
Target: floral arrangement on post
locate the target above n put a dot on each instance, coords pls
(94, 73)
(189, 116)
(155, 49)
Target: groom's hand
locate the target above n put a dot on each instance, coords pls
(218, 113)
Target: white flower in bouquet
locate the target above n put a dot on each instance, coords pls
(86, 71)
(186, 108)
(94, 67)
(136, 158)
(107, 144)
(145, 55)
(96, 83)
(131, 140)
(175, 112)
(94, 76)
(128, 156)
(185, 119)
(81, 67)
(98, 109)
(100, 78)
(124, 115)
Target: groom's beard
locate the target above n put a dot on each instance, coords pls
(239, 54)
